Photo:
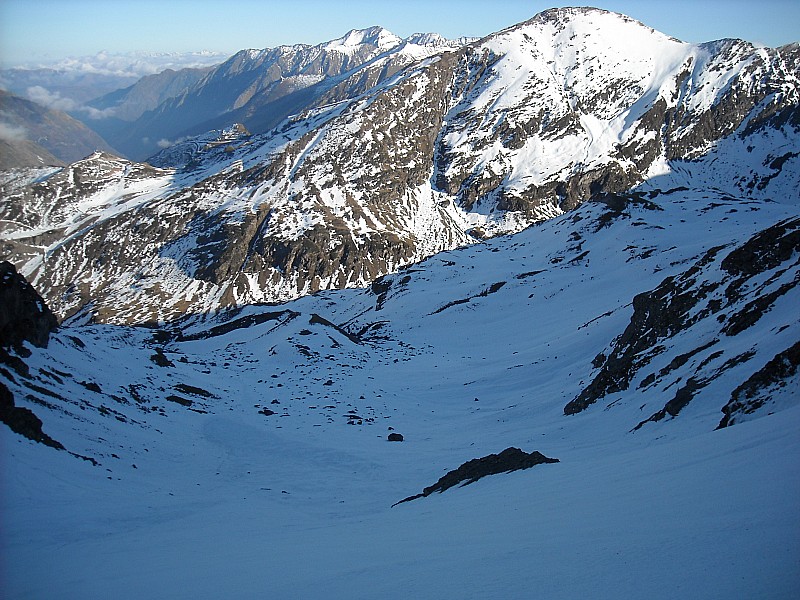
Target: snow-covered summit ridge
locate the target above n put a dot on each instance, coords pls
(356, 40)
(373, 36)
(586, 18)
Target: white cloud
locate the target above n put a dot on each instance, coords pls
(165, 143)
(50, 99)
(12, 133)
(56, 101)
(132, 64)
(94, 113)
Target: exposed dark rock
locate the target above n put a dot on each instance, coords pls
(682, 359)
(510, 459)
(656, 315)
(76, 341)
(617, 205)
(755, 392)
(91, 386)
(764, 251)
(19, 366)
(23, 421)
(395, 437)
(193, 390)
(755, 309)
(529, 274)
(380, 287)
(694, 384)
(24, 316)
(134, 390)
(161, 359)
(490, 290)
(681, 301)
(241, 323)
(179, 400)
(317, 320)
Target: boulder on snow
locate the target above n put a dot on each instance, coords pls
(22, 420)
(510, 459)
(395, 437)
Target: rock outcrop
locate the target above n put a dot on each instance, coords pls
(23, 421)
(733, 289)
(510, 459)
(24, 316)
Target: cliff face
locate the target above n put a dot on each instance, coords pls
(24, 316)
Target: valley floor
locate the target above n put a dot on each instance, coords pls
(715, 516)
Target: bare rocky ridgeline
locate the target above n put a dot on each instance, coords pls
(729, 288)
(391, 161)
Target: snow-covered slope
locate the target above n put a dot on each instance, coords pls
(245, 453)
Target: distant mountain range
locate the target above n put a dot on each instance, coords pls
(83, 78)
(404, 149)
(258, 88)
(32, 135)
(94, 90)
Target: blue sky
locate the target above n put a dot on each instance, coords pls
(32, 30)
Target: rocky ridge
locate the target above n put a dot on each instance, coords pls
(722, 295)
(260, 88)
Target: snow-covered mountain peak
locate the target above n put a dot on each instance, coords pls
(375, 36)
(586, 17)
